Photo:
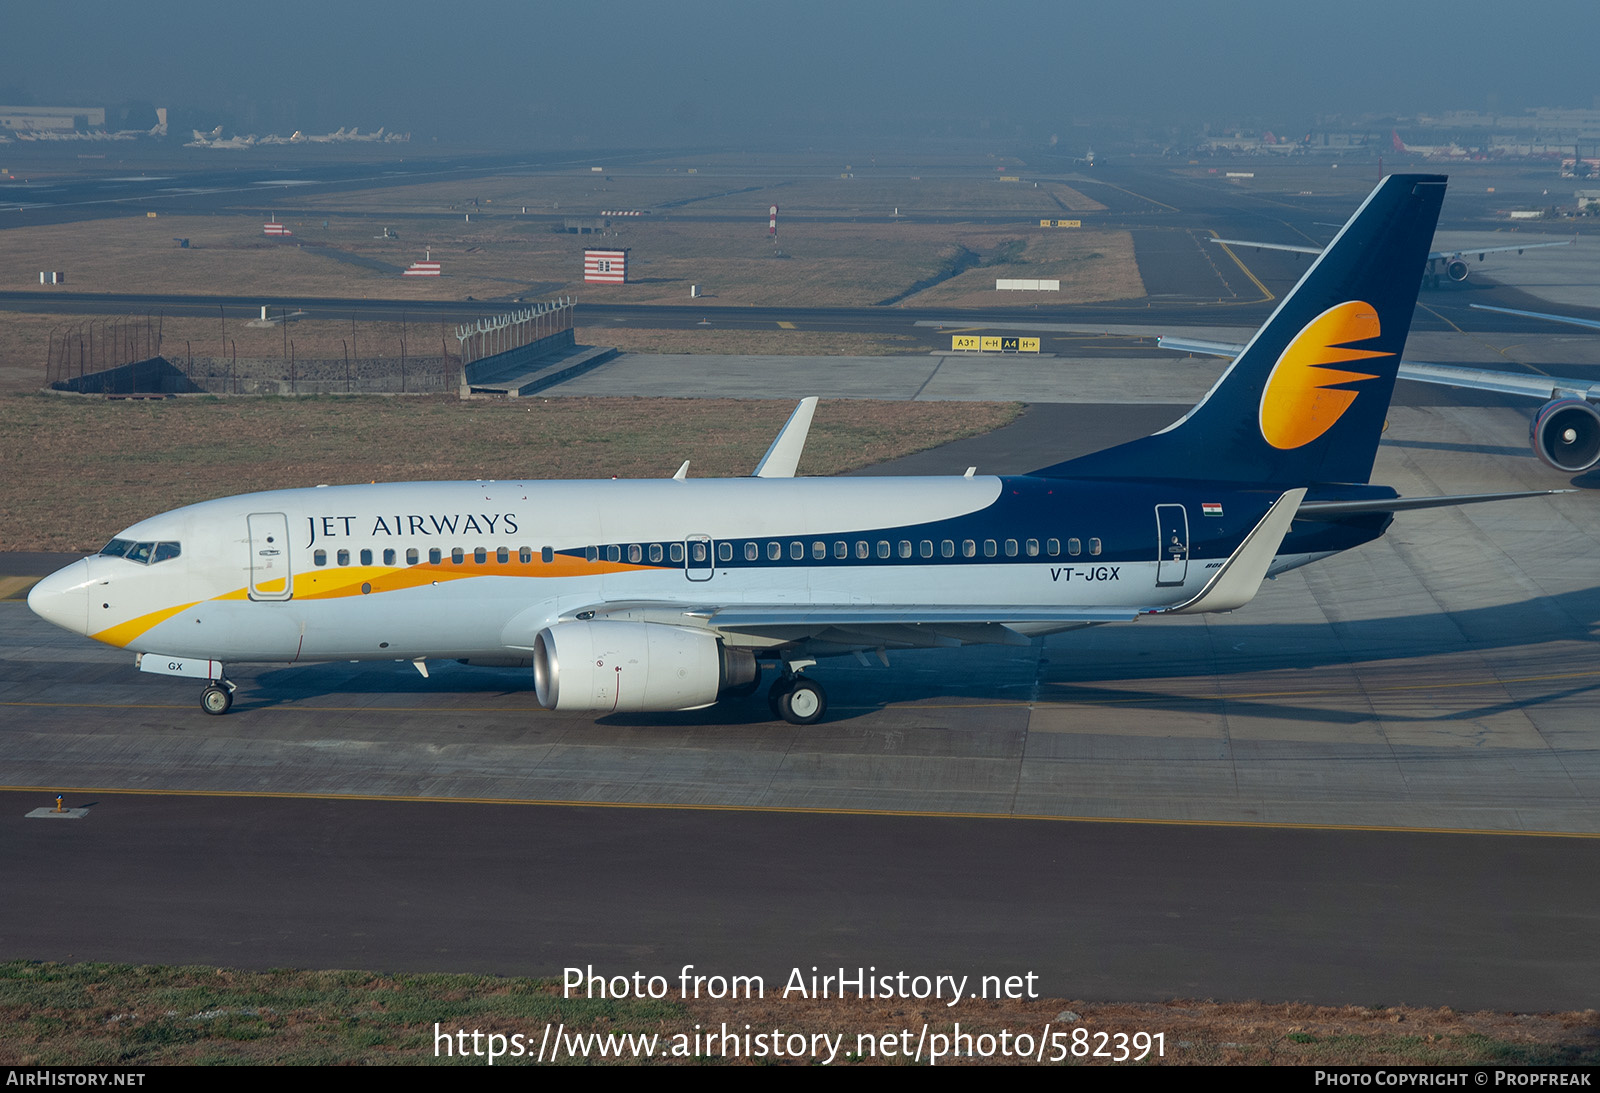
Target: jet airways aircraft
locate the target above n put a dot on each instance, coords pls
(664, 595)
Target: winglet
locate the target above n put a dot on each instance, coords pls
(683, 472)
(784, 455)
(1240, 577)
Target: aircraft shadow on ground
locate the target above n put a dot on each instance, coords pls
(1081, 668)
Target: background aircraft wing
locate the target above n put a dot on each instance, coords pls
(1446, 375)
(1268, 246)
(1444, 255)
(1589, 323)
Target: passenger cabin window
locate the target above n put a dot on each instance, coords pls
(969, 549)
(905, 548)
(883, 548)
(389, 556)
(613, 554)
(724, 552)
(480, 555)
(774, 552)
(1052, 547)
(525, 555)
(457, 556)
(635, 553)
(1094, 546)
(797, 551)
(655, 552)
(366, 556)
(411, 556)
(319, 557)
(1074, 547)
(547, 554)
(990, 548)
(503, 555)
(344, 557)
(675, 553)
(752, 552)
(925, 548)
(947, 548)
(1032, 548)
(435, 556)
(841, 549)
(1011, 548)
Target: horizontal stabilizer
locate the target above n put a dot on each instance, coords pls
(1240, 577)
(1314, 510)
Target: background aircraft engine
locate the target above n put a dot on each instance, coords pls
(1566, 435)
(633, 667)
(1456, 269)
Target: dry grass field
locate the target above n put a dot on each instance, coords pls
(139, 1016)
(838, 244)
(508, 258)
(80, 468)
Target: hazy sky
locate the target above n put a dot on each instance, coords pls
(700, 71)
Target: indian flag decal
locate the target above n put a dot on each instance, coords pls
(1211, 508)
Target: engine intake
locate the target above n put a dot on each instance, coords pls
(1456, 270)
(1566, 435)
(634, 667)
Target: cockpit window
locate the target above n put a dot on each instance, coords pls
(142, 553)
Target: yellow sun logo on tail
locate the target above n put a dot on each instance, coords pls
(1299, 403)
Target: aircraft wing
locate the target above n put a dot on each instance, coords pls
(1589, 323)
(1444, 255)
(1433, 256)
(1268, 246)
(1446, 375)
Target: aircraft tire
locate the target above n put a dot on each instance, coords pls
(216, 700)
(804, 703)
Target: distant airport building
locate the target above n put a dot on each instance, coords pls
(605, 267)
(423, 269)
(45, 119)
(274, 228)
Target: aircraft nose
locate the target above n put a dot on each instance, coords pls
(63, 597)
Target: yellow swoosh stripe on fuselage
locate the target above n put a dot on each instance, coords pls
(350, 580)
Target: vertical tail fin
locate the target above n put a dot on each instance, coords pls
(1305, 401)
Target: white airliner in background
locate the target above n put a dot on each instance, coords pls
(1441, 263)
(665, 594)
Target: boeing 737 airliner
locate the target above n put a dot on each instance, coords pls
(664, 595)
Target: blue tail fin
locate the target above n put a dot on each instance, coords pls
(1306, 400)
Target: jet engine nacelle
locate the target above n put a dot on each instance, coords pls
(1566, 435)
(1456, 269)
(633, 666)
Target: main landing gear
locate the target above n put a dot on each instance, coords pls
(217, 698)
(798, 700)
